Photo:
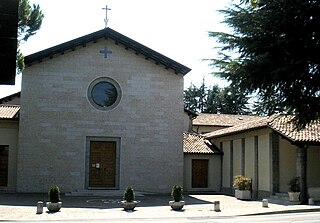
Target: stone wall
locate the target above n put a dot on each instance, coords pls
(57, 119)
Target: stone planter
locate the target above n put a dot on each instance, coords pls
(128, 206)
(54, 207)
(176, 205)
(294, 196)
(242, 194)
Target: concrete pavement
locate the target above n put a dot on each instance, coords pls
(22, 207)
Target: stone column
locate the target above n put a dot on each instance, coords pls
(302, 173)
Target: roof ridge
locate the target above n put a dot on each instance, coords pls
(9, 105)
(119, 39)
(239, 127)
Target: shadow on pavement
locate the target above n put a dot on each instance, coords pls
(22, 199)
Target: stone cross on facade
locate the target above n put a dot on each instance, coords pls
(105, 52)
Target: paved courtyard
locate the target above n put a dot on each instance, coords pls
(22, 207)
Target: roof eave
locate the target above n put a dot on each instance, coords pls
(119, 39)
(235, 132)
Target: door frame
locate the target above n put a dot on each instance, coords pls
(87, 160)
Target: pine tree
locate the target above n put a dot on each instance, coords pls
(274, 47)
(29, 22)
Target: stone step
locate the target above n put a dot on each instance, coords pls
(282, 196)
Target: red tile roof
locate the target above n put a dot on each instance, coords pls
(194, 143)
(226, 120)
(285, 126)
(9, 111)
(280, 123)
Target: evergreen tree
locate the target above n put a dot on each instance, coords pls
(191, 96)
(29, 22)
(274, 47)
(233, 101)
(202, 100)
(269, 104)
(213, 105)
(228, 100)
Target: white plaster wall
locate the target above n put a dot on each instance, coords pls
(214, 172)
(313, 167)
(9, 131)
(56, 118)
(287, 163)
(237, 156)
(264, 161)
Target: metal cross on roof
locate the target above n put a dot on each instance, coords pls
(106, 19)
(105, 51)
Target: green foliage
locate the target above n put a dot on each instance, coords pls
(30, 19)
(191, 98)
(54, 194)
(176, 193)
(274, 47)
(242, 183)
(228, 100)
(294, 184)
(269, 103)
(29, 22)
(129, 195)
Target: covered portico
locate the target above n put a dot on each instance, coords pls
(271, 151)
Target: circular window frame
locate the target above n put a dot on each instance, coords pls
(108, 80)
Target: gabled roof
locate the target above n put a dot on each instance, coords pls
(280, 123)
(225, 120)
(197, 144)
(10, 97)
(9, 111)
(119, 39)
(284, 126)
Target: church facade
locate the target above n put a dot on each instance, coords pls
(101, 112)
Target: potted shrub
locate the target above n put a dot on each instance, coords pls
(242, 186)
(177, 196)
(129, 202)
(54, 203)
(294, 189)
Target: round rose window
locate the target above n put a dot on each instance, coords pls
(104, 93)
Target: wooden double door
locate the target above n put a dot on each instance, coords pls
(102, 164)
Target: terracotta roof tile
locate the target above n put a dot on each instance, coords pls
(9, 111)
(223, 119)
(193, 143)
(285, 126)
(280, 123)
(262, 122)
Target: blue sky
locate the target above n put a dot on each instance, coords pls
(175, 28)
